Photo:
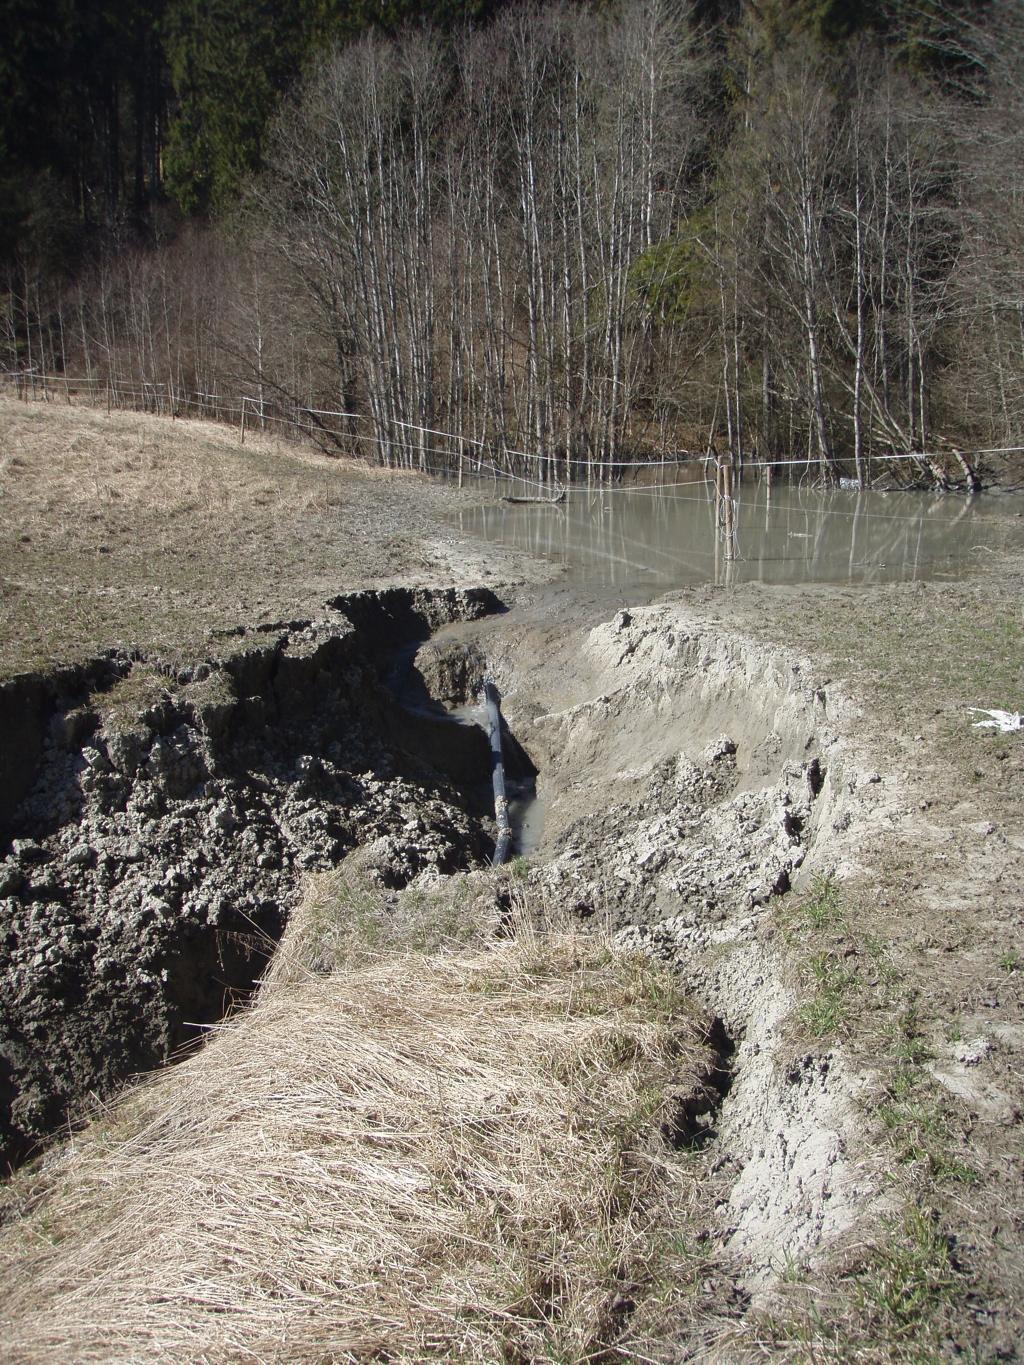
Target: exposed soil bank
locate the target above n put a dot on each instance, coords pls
(702, 786)
(157, 821)
(691, 779)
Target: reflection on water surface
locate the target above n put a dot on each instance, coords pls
(661, 540)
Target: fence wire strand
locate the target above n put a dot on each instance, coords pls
(155, 396)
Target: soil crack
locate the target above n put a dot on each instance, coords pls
(165, 817)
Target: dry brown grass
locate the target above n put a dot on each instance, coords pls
(136, 530)
(455, 1155)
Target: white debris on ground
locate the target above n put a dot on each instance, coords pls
(1006, 721)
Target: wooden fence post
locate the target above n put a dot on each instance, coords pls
(725, 510)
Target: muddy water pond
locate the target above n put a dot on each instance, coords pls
(659, 540)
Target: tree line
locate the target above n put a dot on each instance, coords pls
(574, 237)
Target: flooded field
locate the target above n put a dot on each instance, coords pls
(641, 538)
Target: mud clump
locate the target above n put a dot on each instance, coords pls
(165, 826)
(687, 836)
(452, 672)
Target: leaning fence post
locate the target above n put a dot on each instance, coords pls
(243, 421)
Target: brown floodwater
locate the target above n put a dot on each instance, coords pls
(660, 540)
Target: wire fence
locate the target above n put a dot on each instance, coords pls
(386, 440)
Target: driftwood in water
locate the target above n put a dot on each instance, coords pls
(934, 467)
(492, 711)
(547, 502)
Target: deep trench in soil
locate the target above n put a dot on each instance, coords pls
(691, 780)
(158, 822)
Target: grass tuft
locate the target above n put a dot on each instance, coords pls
(920, 1131)
(910, 1281)
(827, 1012)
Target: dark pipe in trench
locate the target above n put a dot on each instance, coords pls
(492, 713)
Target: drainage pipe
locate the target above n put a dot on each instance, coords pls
(492, 724)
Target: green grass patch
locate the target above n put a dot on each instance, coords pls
(817, 924)
(919, 1126)
(910, 1284)
(821, 910)
(897, 1305)
(518, 868)
(828, 1011)
(921, 1131)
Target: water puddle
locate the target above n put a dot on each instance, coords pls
(526, 812)
(666, 539)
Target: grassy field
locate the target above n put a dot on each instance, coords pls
(135, 531)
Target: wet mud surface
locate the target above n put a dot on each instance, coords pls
(163, 831)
